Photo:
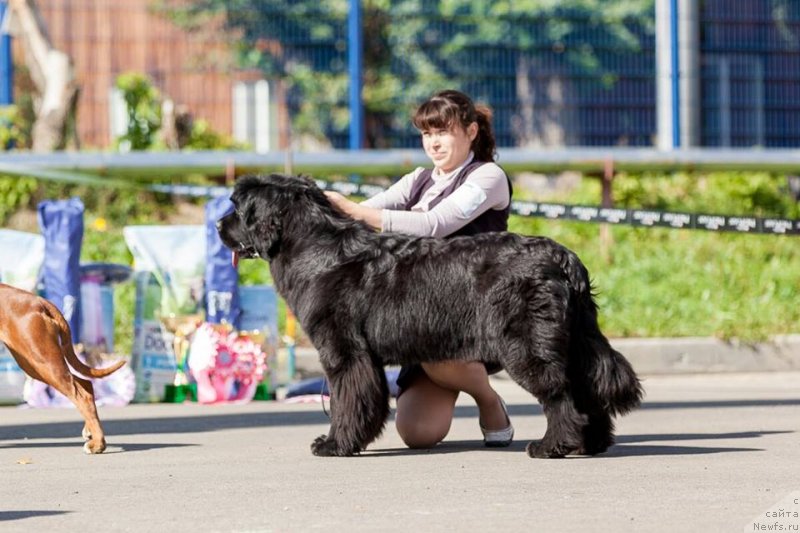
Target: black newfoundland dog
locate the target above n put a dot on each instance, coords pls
(367, 299)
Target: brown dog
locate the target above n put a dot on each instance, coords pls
(39, 338)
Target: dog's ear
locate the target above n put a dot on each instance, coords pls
(307, 180)
(263, 221)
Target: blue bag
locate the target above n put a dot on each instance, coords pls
(222, 278)
(61, 223)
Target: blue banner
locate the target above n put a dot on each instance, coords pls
(222, 278)
(61, 223)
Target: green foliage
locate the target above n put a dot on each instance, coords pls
(662, 282)
(144, 111)
(15, 193)
(14, 129)
(143, 102)
(320, 108)
(16, 121)
(754, 193)
(673, 283)
(203, 137)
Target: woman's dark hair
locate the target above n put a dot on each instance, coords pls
(449, 108)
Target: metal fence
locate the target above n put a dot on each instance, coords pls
(750, 73)
(749, 56)
(568, 77)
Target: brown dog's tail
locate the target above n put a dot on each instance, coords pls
(65, 338)
(86, 370)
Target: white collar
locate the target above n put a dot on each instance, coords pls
(438, 176)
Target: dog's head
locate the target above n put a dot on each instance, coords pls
(261, 204)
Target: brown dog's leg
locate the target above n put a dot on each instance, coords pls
(53, 371)
(81, 393)
(92, 430)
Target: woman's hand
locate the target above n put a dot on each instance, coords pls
(340, 202)
(353, 210)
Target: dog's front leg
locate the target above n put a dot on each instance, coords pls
(359, 404)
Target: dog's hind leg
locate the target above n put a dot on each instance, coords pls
(542, 374)
(598, 434)
(39, 365)
(359, 403)
(81, 392)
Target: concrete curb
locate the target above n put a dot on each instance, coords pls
(703, 354)
(683, 355)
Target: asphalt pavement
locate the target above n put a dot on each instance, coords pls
(713, 452)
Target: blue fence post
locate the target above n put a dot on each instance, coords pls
(354, 60)
(6, 65)
(676, 91)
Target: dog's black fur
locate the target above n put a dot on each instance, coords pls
(367, 299)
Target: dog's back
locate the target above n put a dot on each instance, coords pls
(28, 320)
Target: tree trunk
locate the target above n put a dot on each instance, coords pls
(542, 120)
(53, 75)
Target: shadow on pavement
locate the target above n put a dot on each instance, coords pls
(189, 424)
(624, 450)
(618, 450)
(289, 417)
(7, 516)
(627, 439)
(704, 404)
(444, 447)
(523, 409)
(113, 447)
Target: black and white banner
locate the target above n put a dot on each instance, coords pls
(652, 218)
(557, 211)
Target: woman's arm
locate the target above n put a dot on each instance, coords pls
(396, 196)
(370, 215)
(371, 210)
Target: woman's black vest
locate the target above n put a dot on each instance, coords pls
(490, 220)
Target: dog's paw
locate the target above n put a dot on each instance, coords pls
(86, 434)
(590, 449)
(91, 447)
(542, 450)
(323, 446)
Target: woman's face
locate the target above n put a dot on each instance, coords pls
(448, 148)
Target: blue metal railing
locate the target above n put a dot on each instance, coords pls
(6, 64)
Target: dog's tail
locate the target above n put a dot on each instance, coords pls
(86, 370)
(65, 339)
(610, 378)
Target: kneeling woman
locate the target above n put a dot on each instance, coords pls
(465, 193)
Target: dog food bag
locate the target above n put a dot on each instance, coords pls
(170, 266)
(61, 223)
(259, 320)
(222, 278)
(176, 255)
(23, 273)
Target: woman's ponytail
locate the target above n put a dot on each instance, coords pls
(483, 146)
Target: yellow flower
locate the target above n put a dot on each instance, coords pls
(100, 224)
